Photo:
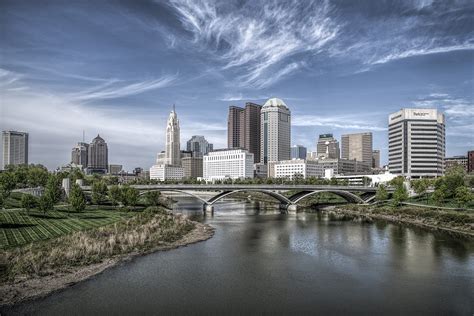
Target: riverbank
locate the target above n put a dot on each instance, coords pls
(39, 269)
(455, 223)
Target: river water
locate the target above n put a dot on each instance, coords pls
(260, 261)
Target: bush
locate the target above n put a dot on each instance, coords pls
(115, 194)
(129, 196)
(45, 203)
(77, 199)
(400, 195)
(382, 193)
(28, 202)
(153, 198)
(99, 192)
(463, 196)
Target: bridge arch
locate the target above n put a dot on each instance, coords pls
(174, 190)
(348, 196)
(276, 195)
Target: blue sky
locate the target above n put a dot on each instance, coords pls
(116, 68)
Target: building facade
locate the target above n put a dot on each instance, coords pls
(172, 152)
(296, 168)
(166, 172)
(416, 143)
(298, 152)
(275, 134)
(327, 147)
(15, 148)
(79, 154)
(98, 156)
(470, 161)
(376, 159)
(357, 147)
(243, 128)
(228, 164)
(199, 146)
(192, 167)
(114, 169)
(451, 162)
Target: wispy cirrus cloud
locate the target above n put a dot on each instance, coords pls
(258, 38)
(345, 122)
(113, 88)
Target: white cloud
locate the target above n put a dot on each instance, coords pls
(345, 122)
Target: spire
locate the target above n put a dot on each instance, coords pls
(174, 108)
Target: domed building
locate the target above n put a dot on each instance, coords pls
(98, 156)
(275, 132)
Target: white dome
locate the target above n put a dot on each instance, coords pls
(274, 102)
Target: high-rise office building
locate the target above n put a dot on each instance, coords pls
(243, 128)
(327, 147)
(357, 147)
(275, 133)
(172, 152)
(376, 158)
(228, 164)
(98, 156)
(198, 145)
(298, 152)
(192, 167)
(416, 143)
(79, 154)
(15, 148)
(470, 161)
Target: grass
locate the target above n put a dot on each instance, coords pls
(142, 232)
(426, 200)
(17, 227)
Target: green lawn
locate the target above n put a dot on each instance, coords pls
(426, 199)
(18, 228)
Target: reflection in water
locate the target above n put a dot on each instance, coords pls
(261, 261)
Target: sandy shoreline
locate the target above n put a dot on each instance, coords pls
(21, 290)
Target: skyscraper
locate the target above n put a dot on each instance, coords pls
(79, 154)
(199, 146)
(15, 148)
(298, 152)
(470, 161)
(327, 147)
(275, 131)
(173, 154)
(416, 143)
(98, 156)
(357, 147)
(243, 128)
(376, 158)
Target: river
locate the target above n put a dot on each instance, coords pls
(260, 261)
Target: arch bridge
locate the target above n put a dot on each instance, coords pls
(288, 203)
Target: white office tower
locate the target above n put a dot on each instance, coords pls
(15, 148)
(296, 168)
(275, 132)
(173, 154)
(416, 143)
(166, 172)
(228, 164)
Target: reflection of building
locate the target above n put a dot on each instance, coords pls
(416, 143)
(376, 159)
(451, 162)
(79, 154)
(98, 159)
(115, 169)
(192, 167)
(275, 133)
(298, 152)
(357, 146)
(228, 163)
(243, 128)
(198, 145)
(15, 148)
(327, 147)
(470, 161)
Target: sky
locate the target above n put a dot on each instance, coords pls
(115, 68)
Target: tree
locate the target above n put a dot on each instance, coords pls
(400, 195)
(420, 186)
(439, 194)
(397, 182)
(115, 194)
(463, 195)
(453, 179)
(129, 196)
(153, 198)
(37, 176)
(382, 193)
(53, 188)
(45, 203)
(7, 184)
(28, 201)
(99, 192)
(77, 198)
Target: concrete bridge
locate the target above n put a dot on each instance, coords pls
(288, 204)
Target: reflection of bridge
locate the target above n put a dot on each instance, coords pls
(288, 203)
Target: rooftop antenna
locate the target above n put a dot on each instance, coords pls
(174, 108)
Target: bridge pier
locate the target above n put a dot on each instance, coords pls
(288, 208)
(208, 209)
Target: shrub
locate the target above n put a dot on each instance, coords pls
(153, 198)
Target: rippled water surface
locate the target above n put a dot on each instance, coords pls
(262, 261)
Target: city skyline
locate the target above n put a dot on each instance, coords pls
(128, 69)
